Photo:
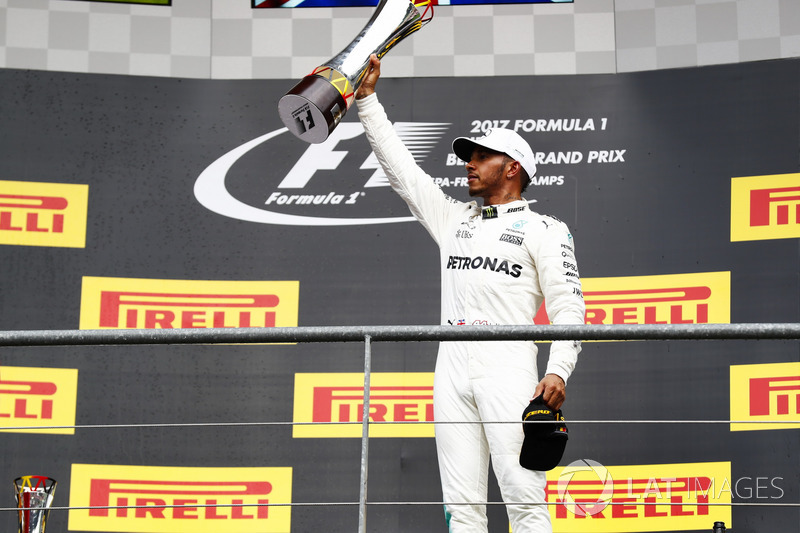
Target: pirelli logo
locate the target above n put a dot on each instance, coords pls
(38, 398)
(124, 303)
(619, 499)
(765, 207)
(696, 298)
(177, 499)
(332, 405)
(766, 393)
(43, 214)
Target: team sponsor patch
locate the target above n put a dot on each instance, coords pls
(489, 212)
(513, 239)
(488, 263)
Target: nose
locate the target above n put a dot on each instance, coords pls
(470, 165)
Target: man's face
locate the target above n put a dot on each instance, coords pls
(485, 172)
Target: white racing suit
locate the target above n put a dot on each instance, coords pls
(496, 269)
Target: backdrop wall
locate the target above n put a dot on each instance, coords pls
(152, 202)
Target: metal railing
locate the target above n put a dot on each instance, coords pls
(754, 331)
(370, 334)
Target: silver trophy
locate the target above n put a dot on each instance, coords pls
(316, 105)
(34, 498)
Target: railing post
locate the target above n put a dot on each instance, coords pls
(362, 497)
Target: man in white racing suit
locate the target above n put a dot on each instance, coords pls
(499, 263)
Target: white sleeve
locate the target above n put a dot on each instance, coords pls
(427, 202)
(561, 286)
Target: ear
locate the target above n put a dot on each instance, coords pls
(513, 169)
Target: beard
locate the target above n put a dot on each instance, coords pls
(484, 183)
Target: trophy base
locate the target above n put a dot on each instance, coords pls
(312, 109)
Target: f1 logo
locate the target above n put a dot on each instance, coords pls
(305, 121)
(326, 156)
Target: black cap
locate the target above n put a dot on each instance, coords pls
(544, 443)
